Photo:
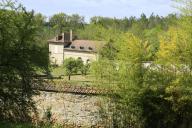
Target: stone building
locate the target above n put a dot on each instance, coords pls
(65, 46)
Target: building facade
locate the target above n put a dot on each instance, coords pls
(65, 46)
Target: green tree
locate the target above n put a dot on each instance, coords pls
(109, 50)
(76, 22)
(59, 21)
(21, 58)
(85, 68)
(124, 74)
(185, 6)
(170, 84)
(104, 71)
(72, 66)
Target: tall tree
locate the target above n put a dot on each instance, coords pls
(71, 66)
(21, 56)
(59, 21)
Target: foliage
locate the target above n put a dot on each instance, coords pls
(21, 56)
(84, 68)
(109, 50)
(151, 36)
(146, 60)
(103, 70)
(62, 22)
(150, 94)
(97, 32)
(185, 6)
(130, 78)
(70, 66)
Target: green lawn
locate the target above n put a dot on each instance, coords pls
(58, 71)
(77, 79)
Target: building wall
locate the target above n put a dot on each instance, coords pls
(56, 53)
(85, 56)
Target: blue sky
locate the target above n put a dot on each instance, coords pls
(107, 8)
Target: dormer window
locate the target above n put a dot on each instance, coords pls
(73, 47)
(81, 47)
(60, 37)
(90, 48)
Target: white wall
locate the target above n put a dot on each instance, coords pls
(56, 53)
(83, 55)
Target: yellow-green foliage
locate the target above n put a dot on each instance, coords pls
(130, 48)
(174, 47)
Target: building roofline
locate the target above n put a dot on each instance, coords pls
(78, 50)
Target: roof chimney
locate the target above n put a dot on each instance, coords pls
(63, 37)
(71, 35)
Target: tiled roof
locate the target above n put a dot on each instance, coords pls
(78, 45)
(61, 86)
(85, 45)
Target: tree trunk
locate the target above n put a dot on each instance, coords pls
(69, 77)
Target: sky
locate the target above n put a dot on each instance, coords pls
(106, 8)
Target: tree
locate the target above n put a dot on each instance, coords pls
(143, 21)
(59, 21)
(152, 37)
(124, 74)
(92, 32)
(168, 93)
(170, 90)
(62, 22)
(76, 22)
(109, 50)
(72, 66)
(85, 68)
(21, 58)
(185, 6)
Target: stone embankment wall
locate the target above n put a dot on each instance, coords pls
(73, 108)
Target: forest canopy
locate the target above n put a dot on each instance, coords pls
(146, 60)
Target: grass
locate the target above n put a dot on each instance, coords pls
(77, 79)
(58, 71)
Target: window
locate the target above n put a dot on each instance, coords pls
(81, 47)
(73, 47)
(90, 48)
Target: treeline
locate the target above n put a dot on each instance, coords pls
(110, 29)
(151, 75)
(62, 22)
(147, 61)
